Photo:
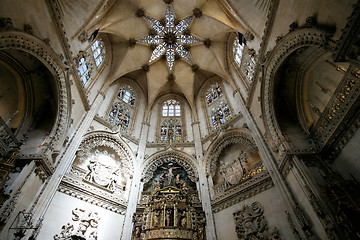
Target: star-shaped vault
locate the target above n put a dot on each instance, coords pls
(170, 38)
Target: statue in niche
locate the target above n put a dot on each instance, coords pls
(168, 217)
(155, 219)
(170, 173)
(183, 219)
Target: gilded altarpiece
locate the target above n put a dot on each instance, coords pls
(170, 207)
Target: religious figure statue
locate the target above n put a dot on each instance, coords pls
(156, 187)
(168, 217)
(155, 219)
(183, 219)
(92, 167)
(178, 181)
(137, 232)
(162, 179)
(170, 174)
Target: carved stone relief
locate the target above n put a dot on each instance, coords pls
(104, 175)
(251, 224)
(83, 226)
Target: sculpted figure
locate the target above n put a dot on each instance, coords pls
(170, 174)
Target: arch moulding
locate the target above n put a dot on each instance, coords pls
(294, 40)
(167, 156)
(105, 139)
(234, 136)
(44, 53)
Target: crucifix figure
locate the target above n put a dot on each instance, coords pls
(170, 174)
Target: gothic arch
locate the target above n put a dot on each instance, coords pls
(167, 156)
(110, 140)
(40, 50)
(242, 136)
(294, 40)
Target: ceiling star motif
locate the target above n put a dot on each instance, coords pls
(170, 38)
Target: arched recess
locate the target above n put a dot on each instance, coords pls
(104, 163)
(300, 39)
(169, 156)
(95, 140)
(241, 138)
(30, 49)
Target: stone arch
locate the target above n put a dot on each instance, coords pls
(110, 140)
(242, 136)
(291, 42)
(40, 50)
(181, 158)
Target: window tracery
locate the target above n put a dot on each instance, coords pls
(220, 113)
(126, 94)
(120, 115)
(86, 61)
(123, 109)
(84, 69)
(171, 122)
(244, 59)
(98, 50)
(218, 109)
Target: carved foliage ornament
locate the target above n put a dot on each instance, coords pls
(172, 157)
(251, 224)
(84, 226)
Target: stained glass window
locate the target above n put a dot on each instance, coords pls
(170, 129)
(171, 122)
(126, 94)
(244, 59)
(171, 108)
(83, 70)
(220, 113)
(98, 52)
(120, 115)
(238, 51)
(213, 93)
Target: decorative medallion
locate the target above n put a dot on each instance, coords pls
(170, 38)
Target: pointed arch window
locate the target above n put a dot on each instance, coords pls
(123, 109)
(244, 59)
(218, 109)
(213, 93)
(98, 50)
(127, 95)
(171, 108)
(84, 69)
(87, 60)
(120, 115)
(171, 127)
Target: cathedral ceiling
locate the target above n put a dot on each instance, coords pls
(126, 25)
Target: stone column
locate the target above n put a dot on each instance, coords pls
(203, 186)
(270, 164)
(136, 185)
